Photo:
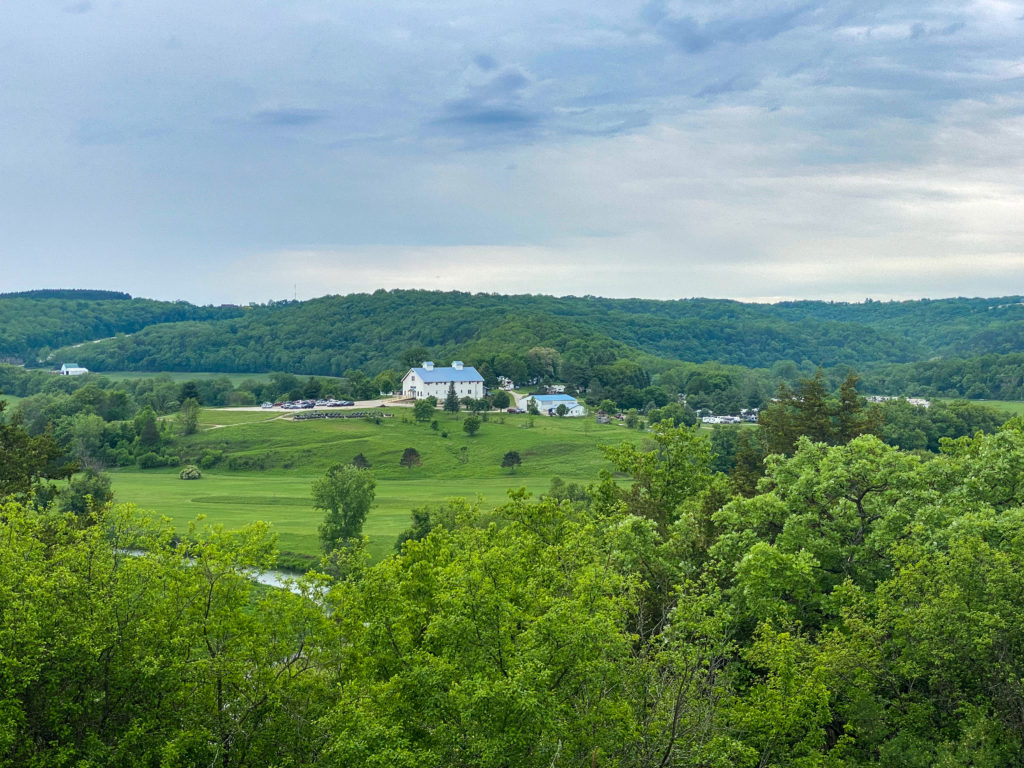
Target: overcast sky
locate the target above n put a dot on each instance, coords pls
(222, 151)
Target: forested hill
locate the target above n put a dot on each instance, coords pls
(33, 321)
(332, 334)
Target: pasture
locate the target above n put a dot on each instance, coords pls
(286, 456)
(180, 376)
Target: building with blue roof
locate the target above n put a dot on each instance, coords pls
(429, 380)
(549, 404)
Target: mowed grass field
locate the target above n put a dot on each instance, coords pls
(1009, 407)
(295, 453)
(236, 378)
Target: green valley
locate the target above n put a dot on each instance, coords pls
(285, 457)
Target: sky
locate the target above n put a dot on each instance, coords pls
(226, 152)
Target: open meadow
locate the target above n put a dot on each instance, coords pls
(282, 458)
(183, 376)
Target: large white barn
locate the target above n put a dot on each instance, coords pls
(430, 380)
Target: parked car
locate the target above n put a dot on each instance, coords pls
(267, 405)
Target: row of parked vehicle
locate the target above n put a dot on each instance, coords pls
(296, 405)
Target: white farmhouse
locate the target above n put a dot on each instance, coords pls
(431, 380)
(72, 369)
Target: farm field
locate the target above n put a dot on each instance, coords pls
(1012, 407)
(292, 454)
(235, 378)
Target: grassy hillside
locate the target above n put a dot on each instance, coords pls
(295, 453)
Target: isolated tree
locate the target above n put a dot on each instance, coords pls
(360, 462)
(410, 458)
(188, 417)
(532, 408)
(345, 494)
(511, 460)
(423, 410)
(451, 402)
(561, 410)
(501, 399)
(471, 425)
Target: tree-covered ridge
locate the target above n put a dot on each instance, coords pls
(862, 609)
(374, 332)
(68, 293)
(30, 327)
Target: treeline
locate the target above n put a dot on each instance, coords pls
(31, 326)
(862, 609)
(373, 332)
(68, 293)
(995, 377)
(99, 423)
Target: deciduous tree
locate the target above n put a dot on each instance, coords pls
(345, 494)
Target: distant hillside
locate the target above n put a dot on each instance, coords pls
(68, 293)
(35, 321)
(390, 329)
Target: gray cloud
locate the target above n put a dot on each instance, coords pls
(711, 146)
(495, 104)
(694, 36)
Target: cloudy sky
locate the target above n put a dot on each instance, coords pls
(221, 151)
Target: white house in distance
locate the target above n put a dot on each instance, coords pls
(549, 404)
(72, 369)
(431, 380)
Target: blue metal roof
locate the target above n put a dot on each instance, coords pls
(554, 398)
(443, 375)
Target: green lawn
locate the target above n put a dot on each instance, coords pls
(1012, 407)
(295, 453)
(236, 378)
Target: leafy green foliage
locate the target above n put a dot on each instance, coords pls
(471, 425)
(345, 493)
(511, 460)
(861, 609)
(25, 459)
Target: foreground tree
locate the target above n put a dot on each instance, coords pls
(345, 493)
(25, 460)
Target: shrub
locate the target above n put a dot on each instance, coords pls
(190, 472)
(209, 459)
(151, 461)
